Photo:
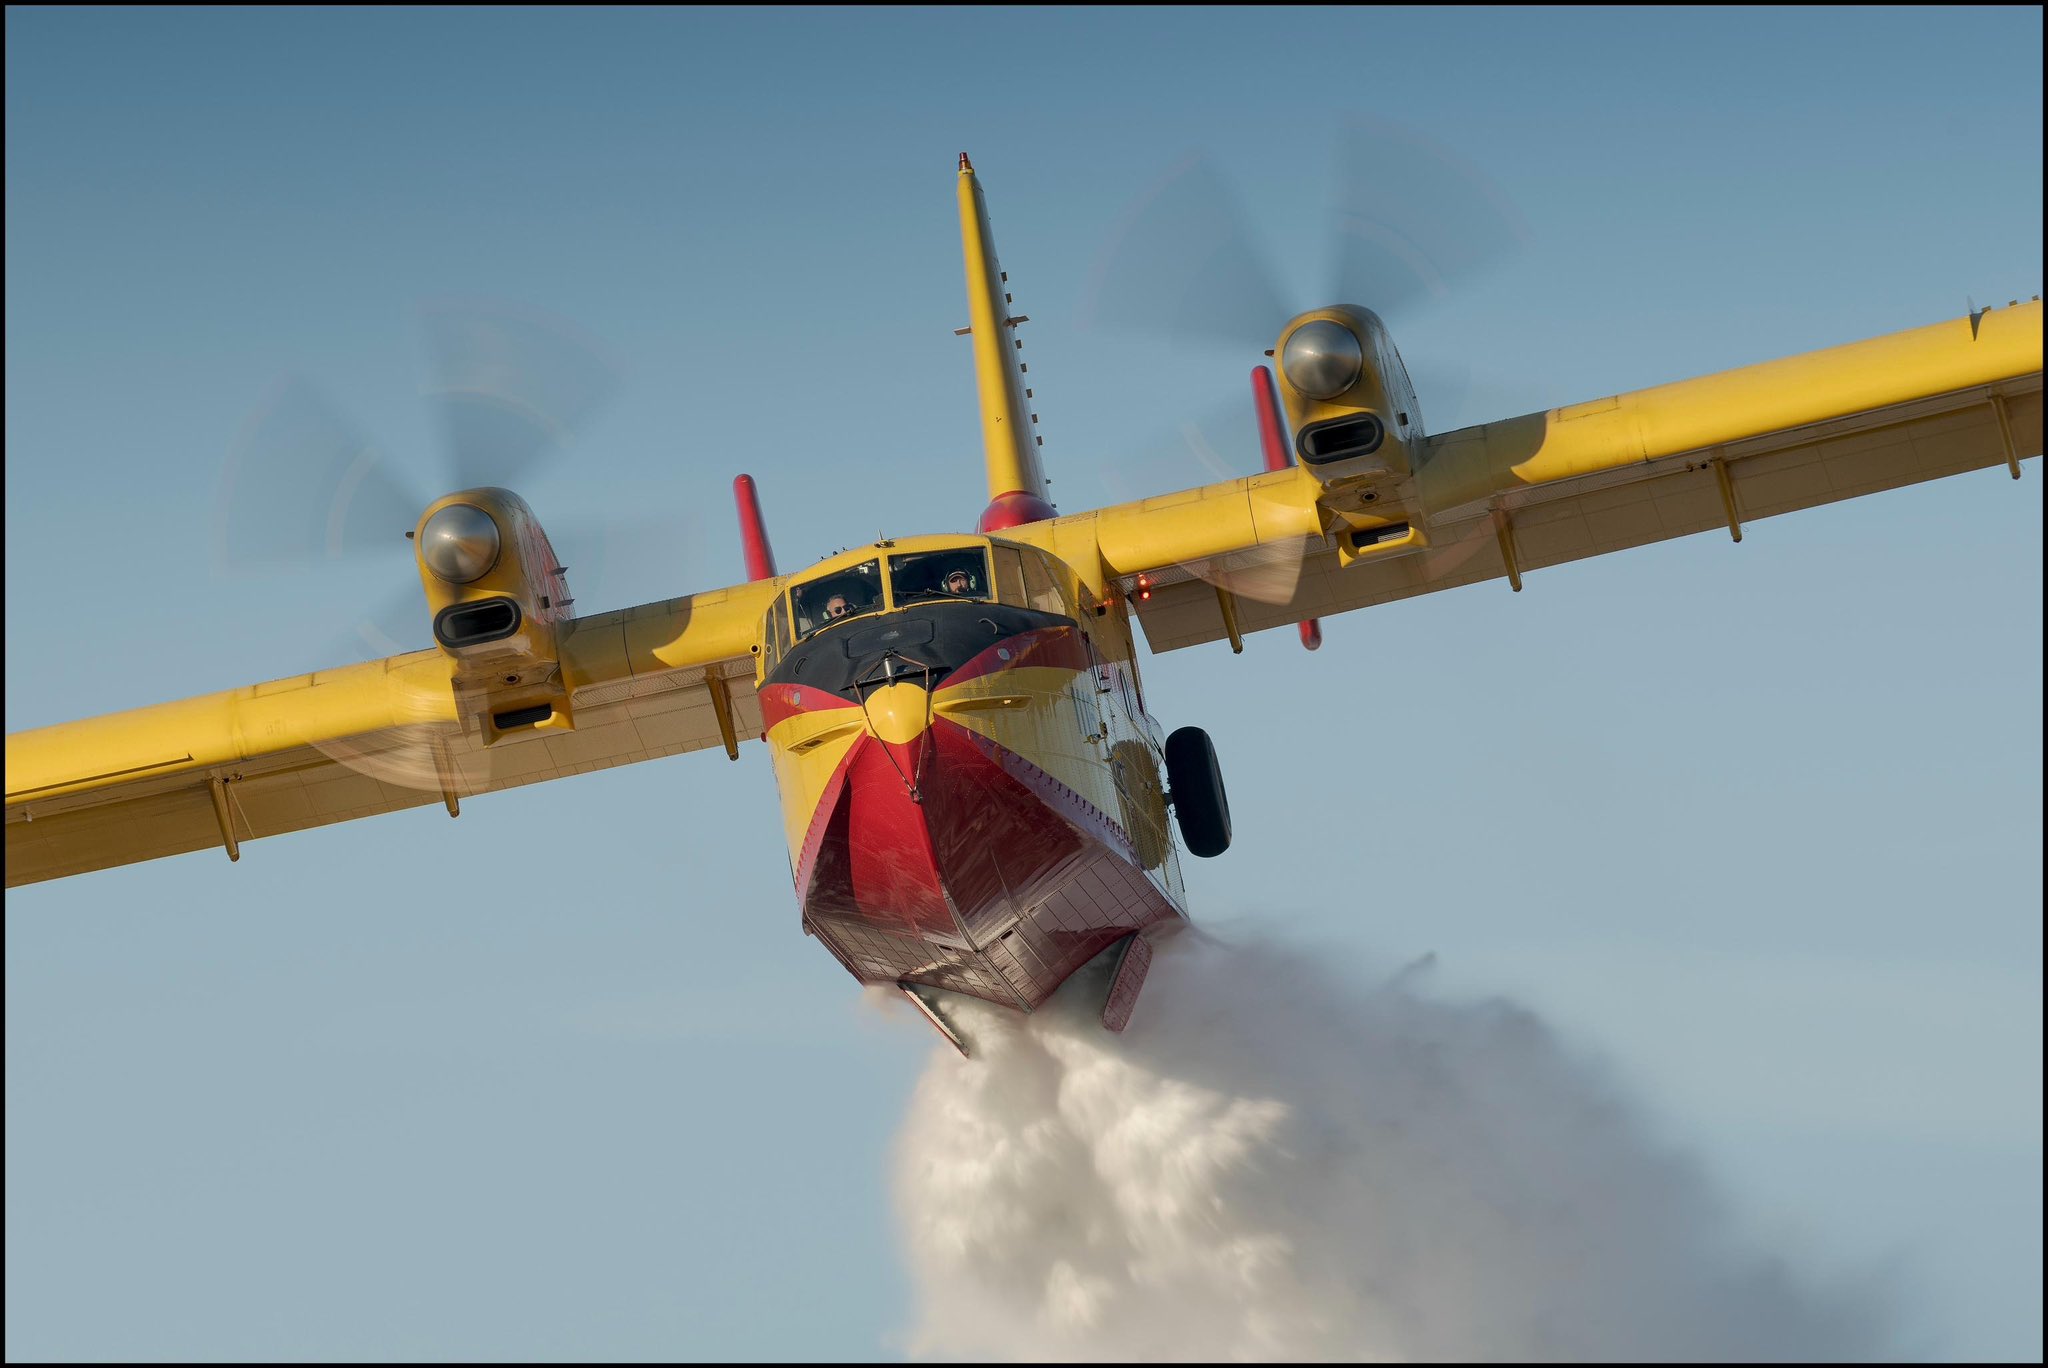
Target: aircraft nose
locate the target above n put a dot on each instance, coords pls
(898, 713)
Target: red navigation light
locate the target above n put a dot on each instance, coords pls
(1144, 588)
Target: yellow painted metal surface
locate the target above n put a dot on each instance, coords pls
(678, 633)
(525, 571)
(1694, 415)
(1768, 474)
(222, 728)
(1382, 389)
(1474, 464)
(1061, 727)
(898, 712)
(332, 705)
(1010, 447)
(806, 751)
(379, 737)
(1191, 525)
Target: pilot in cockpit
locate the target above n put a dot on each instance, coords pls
(837, 606)
(957, 583)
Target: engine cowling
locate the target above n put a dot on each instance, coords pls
(1357, 429)
(1348, 396)
(499, 597)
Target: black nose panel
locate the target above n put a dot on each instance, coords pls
(936, 637)
(899, 632)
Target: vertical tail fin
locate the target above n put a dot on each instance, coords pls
(753, 530)
(1016, 488)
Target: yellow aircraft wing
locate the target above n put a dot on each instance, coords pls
(1199, 565)
(1506, 498)
(649, 681)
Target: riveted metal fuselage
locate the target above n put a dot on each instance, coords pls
(971, 794)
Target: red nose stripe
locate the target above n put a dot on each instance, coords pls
(868, 854)
(999, 883)
(973, 837)
(780, 702)
(1059, 648)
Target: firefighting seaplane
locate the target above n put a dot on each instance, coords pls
(975, 796)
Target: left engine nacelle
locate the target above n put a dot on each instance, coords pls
(498, 596)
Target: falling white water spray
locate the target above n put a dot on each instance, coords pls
(1271, 1165)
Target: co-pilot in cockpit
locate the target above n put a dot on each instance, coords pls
(960, 573)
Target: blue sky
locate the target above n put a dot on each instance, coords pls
(1757, 825)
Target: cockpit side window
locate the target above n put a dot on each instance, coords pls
(1010, 576)
(1042, 587)
(775, 633)
(842, 594)
(961, 573)
(1024, 579)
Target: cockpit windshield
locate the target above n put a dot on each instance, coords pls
(961, 573)
(842, 594)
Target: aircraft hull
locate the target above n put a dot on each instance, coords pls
(970, 839)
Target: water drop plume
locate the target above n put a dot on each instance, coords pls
(1274, 1164)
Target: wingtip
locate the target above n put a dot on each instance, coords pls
(966, 165)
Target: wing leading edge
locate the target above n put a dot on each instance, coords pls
(1506, 498)
(215, 771)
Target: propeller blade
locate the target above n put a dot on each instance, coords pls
(511, 387)
(427, 755)
(1443, 391)
(397, 623)
(301, 485)
(617, 562)
(413, 753)
(414, 757)
(1184, 263)
(1412, 220)
(1268, 573)
(1220, 442)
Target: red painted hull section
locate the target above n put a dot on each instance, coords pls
(993, 879)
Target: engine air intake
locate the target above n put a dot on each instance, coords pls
(471, 624)
(1357, 435)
